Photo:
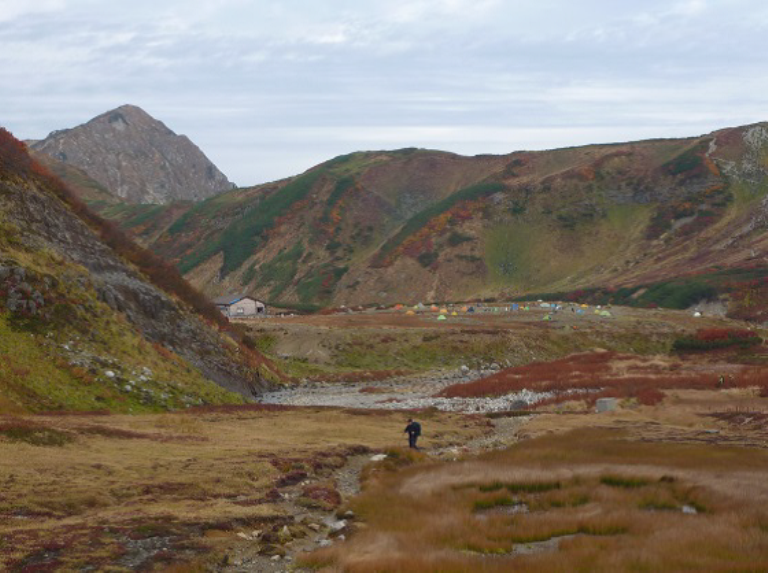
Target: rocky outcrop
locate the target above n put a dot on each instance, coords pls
(43, 226)
(137, 158)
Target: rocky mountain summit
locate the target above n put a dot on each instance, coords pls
(137, 158)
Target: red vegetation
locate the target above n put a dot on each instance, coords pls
(13, 154)
(604, 374)
(718, 338)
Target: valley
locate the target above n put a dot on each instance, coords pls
(534, 478)
(589, 367)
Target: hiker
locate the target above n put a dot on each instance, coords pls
(414, 431)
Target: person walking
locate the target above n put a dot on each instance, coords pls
(414, 431)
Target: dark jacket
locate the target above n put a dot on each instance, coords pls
(414, 428)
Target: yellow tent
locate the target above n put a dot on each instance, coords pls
(454, 313)
(443, 311)
(410, 313)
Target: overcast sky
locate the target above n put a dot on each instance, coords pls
(269, 88)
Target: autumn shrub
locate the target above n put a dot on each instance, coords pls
(34, 434)
(715, 338)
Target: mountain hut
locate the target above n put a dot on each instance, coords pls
(238, 305)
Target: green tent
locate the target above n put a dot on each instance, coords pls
(441, 317)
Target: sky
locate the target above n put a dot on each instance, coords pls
(268, 88)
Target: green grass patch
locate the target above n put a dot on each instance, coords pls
(532, 487)
(143, 214)
(342, 186)
(625, 482)
(687, 161)
(418, 221)
(34, 434)
(278, 272)
(456, 238)
(486, 504)
(243, 237)
(318, 285)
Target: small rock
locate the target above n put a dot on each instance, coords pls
(378, 457)
(285, 535)
(276, 558)
(339, 525)
(689, 510)
(255, 533)
(325, 543)
(242, 535)
(314, 526)
(109, 374)
(349, 514)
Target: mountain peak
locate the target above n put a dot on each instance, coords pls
(137, 157)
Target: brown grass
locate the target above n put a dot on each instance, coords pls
(618, 507)
(84, 486)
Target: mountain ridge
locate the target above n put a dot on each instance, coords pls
(411, 225)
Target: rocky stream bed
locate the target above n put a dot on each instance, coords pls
(312, 528)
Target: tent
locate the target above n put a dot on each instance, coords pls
(547, 317)
(464, 309)
(441, 317)
(526, 307)
(544, 305)
(410, 313)
(584, 306)
(454, 313)
(605, 313)
(433, 307)
(443, 311)
(398, 307)
(580, 311)
(515, 306)
(471, 309)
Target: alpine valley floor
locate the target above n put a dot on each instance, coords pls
(672, 478)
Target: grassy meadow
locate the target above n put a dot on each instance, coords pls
(89, 490)
(593, 499)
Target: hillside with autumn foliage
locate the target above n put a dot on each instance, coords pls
(89, 320)
(417, 225)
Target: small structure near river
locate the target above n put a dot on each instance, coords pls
(240, 306)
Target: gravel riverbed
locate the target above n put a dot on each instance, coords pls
(404, 393)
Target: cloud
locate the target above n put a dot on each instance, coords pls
(294, 82)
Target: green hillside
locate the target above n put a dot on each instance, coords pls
(83, 327)
(404, 226)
